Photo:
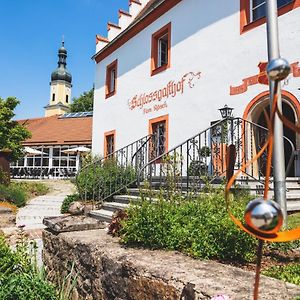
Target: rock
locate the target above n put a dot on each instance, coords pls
(76, 208)
(5, 210)
(72, 223)
(7, 217)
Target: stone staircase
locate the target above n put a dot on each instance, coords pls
(255, 187)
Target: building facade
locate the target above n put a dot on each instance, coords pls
(169, 66)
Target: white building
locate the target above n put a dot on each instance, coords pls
(169, 65)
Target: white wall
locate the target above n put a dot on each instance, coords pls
(205, 37)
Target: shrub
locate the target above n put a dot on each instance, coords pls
(18, 193)
(289, 273)
(67, 202)
(199, 227)
(101, 178)
(13, 194)
(32, 189)
(20, 278)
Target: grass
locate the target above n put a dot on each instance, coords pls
(294, 220)
(18, 193)
(31, 189)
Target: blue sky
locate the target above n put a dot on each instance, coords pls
(30, 35)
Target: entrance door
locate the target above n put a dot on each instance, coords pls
(290, 137)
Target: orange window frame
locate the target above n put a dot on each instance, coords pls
(155, 52)
(106, 136)
(165, 119)
(245, 22)
(109, 70)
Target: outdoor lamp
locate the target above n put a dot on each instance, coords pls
(226, 111)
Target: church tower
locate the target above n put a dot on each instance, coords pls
(60, 87)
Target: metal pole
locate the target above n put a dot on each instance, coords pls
(278, 150)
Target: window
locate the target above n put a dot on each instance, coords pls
(111, 79)
(67, 98)
(258, 8)
(53, 97)
(253, 12)
(159, 127)
(109, 142)
(160, 49)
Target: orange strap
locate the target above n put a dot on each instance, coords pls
(283, 236)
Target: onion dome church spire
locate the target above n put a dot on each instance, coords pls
(60, 86)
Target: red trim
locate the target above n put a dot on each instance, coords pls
(109, 69)
(245, 24)
(137, 28)
(260, 78)
(100, 38)
(123, 12)
(109, 25)
(154, 49)
(287, 95)
(135, 1)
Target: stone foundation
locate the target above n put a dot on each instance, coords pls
(108, 271)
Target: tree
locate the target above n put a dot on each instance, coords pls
(12, 134)
(84, 102)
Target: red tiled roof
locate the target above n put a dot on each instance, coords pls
(56, 130)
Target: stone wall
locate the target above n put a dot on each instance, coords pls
(108, 271)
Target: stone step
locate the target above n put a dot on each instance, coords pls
(293, 206)
(102, 215)
(125, 199)
(113, 206)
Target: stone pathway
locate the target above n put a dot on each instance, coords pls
(33, 213)
(36, 209)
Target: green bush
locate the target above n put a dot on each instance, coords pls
(20, 278)
(32, 189)
(13, 194)
(18, 193)
(67, 202)
(289, 273)
(199, 227)
(100, 178)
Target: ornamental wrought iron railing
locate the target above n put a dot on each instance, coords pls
(202, 158)
(102, 178)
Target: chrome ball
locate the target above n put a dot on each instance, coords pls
(278, 69)
(264, 216)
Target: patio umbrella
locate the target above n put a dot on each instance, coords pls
(77, 150)
(32, 151)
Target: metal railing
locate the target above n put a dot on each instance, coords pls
(123, 166)
(202, 158)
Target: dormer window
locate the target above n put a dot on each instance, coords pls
(111, 79)
(161, 50)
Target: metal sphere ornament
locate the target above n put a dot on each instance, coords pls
(278, 69)
(264, 216)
